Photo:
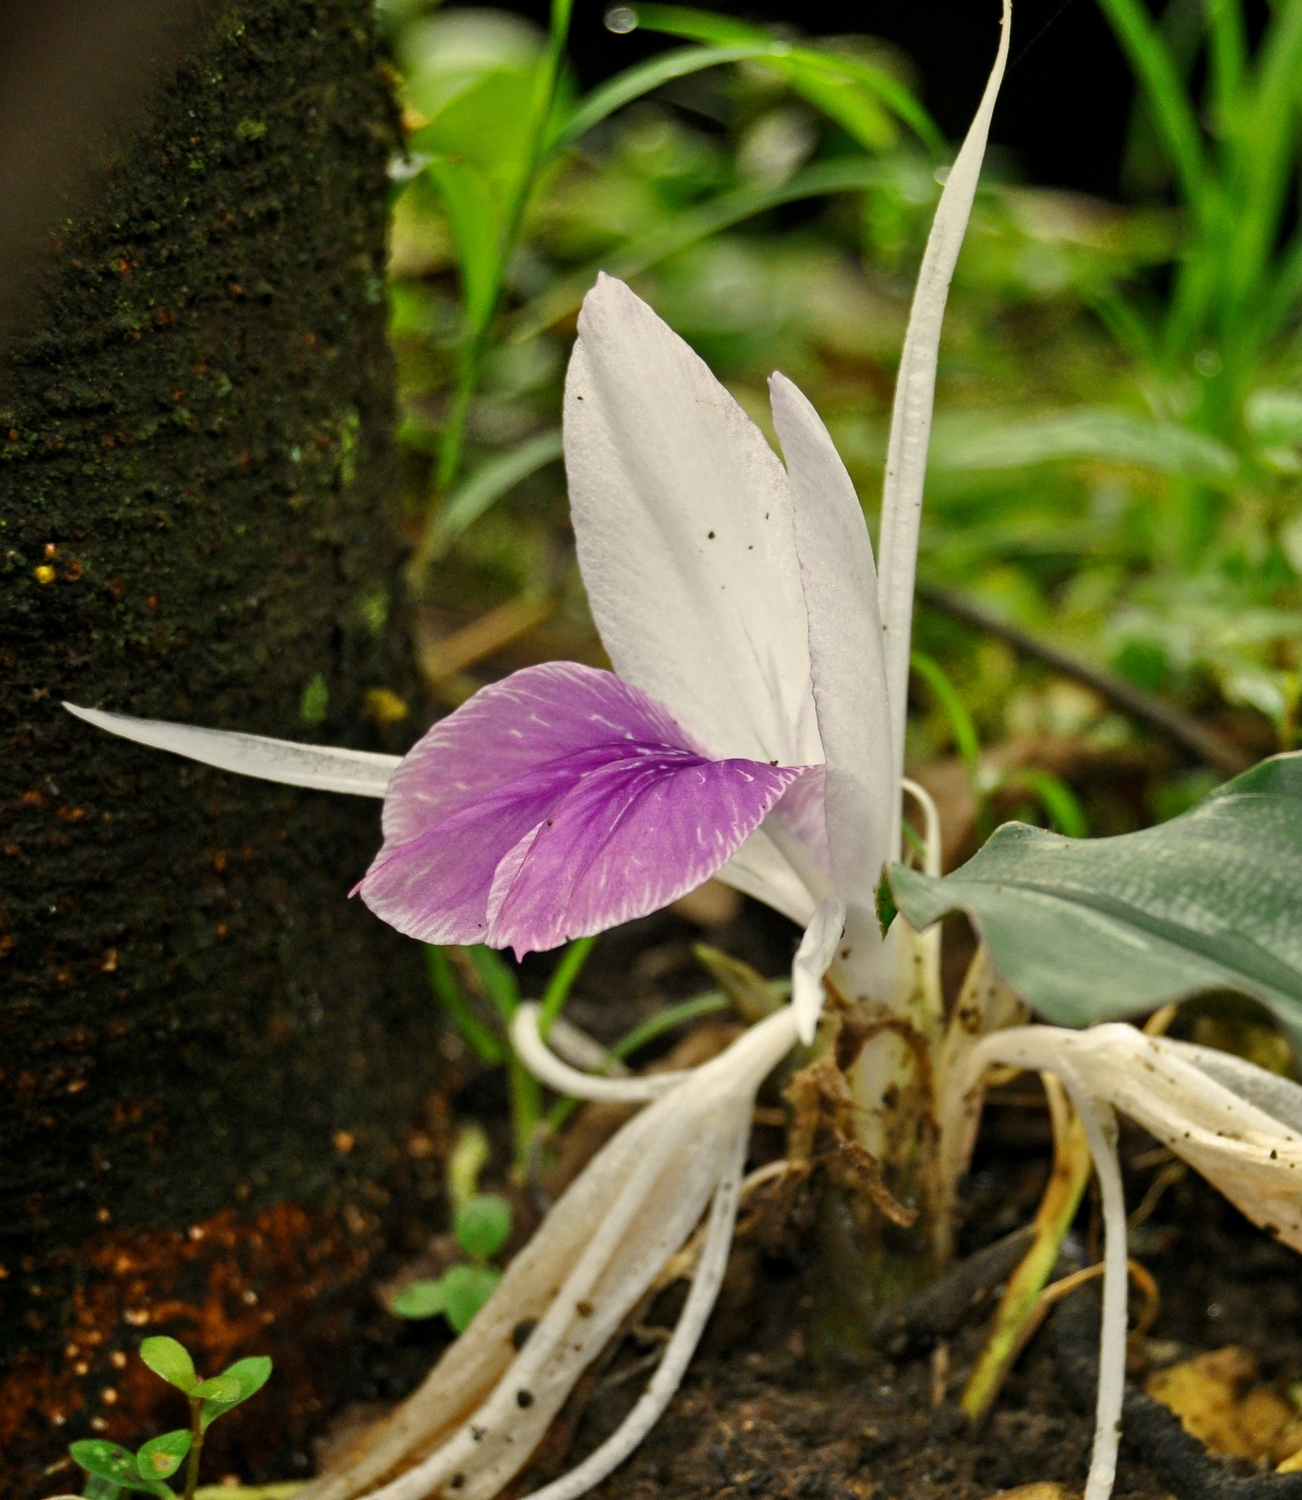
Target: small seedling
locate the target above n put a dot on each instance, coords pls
(481, 1227)
(110, 1469)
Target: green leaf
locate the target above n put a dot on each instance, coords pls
(1094, 930)
(816, 72)
(110, 1464)
(498, 978)
(247, 1376)
(679, 231)
(1173, 112)
(105, 1460)
(422, 1299)
(458, 1294)
(219, 1388)
(483, 1225)
(96, 1488)
(482, 489)
(161, 1457)
(745, 986)
(641, 79)
(171, 1360)
(886, 907)
(475, 220)
(443, 981)
(465, 1290)
(567, 970)
(966, 740)
(1088, 432)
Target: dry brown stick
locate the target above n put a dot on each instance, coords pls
(1209, 745)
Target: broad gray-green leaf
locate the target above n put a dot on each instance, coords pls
(1094, 930)
(1090, 432)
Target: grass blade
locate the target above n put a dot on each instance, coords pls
(688, 228)
(1173, 112)
(641, 79)
(480, 491)
(790, 60)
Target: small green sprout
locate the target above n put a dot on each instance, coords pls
(481, 1227)
(110, 1469)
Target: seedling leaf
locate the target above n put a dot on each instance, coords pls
(422, 1299)
(162, 1456)
(242, 1379)
(219, 1388)
(465, 1290)
(107, 1462)
(170, 1360)
(483, 1225)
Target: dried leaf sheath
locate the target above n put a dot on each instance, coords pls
(484, 1408)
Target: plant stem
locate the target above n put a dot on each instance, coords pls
(196, 1447)
(454, 433)
(476, 344)
(1012, 1323)
(562, 982)
(526, 1110)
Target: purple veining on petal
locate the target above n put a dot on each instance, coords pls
(555, 804)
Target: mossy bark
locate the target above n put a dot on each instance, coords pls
(195, 475)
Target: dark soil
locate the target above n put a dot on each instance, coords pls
(773, 1406)
(759, 1417)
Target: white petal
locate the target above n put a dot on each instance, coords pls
(759, 869)
(813, 959)
(359, 772)
(915, 391)
(845, 649)
(683, 525)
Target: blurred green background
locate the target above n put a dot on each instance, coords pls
(1118, 439)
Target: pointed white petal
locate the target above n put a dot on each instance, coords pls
(358, 772)
(915, 390)
(847, 664)
(813, 959)
(683, 526)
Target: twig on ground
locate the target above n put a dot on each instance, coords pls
(1206, 744)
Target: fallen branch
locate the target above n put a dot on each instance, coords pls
(1208, 745)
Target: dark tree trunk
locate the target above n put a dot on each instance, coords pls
(197, 1027)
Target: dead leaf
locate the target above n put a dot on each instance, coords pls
(1218, 1402)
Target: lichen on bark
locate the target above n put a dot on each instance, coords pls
(196, 475)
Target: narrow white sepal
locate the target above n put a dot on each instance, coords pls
(545, 1066)
(361, 773)
(915, 392)
(813, 959)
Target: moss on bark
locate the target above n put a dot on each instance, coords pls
(195, 474)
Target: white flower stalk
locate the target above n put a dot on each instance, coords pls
(1233, 1122)
(484, 1409)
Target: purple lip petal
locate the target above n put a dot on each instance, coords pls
(555, 804)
